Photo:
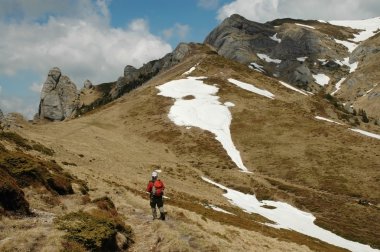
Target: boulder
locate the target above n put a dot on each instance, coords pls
(59, 97)
(87, 84)
(302, 75)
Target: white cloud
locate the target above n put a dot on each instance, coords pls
(178, 30)
(82, 49)
(16, 104)
(267, 10)
(251, 9)
(36, 87)
(79, 40)
(208, 4)
(27, 11)
(139, 25)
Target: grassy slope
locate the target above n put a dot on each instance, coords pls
(312, 164)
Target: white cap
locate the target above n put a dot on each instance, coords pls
(154, 174)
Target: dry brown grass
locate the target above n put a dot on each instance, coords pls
(295, 158)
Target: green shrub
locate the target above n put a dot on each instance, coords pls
(29, 171)
(96, 233)
(106, 204)
(11, 196)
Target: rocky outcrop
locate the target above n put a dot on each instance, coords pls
(281, 46)
(237, 38)
(59, 97)
(87, 84)
(135, 77)
(301, 51)
(362, 88)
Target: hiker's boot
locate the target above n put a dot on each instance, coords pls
(154, 213)
(162, 213)
(162, 216)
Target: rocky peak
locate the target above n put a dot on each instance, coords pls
(313, 55)
(59, 97)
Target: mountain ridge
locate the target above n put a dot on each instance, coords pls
(298, 146)
(301, 52)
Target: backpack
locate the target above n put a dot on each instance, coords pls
(157, 188)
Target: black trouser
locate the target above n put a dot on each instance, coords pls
(159, 202)
(156, 200)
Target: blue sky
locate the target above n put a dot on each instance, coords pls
(164, 15)
(96, 39)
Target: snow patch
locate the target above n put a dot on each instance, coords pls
(346, 62)
(257, 67)
(268, 59)
(293, 88)
(350, 45)
(326, 119)
(302, 59)
(338, 85)
(287, 217)
(368, 27)
(218, 209)
(252, 88)
(307, 26)
(229, 104)
(196, 112)
(190, 70)
(366, 133)
(321, 79)
(274, 37)
(352, 66)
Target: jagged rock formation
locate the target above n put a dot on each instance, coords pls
(134, 77)
(59, 97)
(304, 52)
(278, 46)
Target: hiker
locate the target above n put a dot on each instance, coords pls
(156, 189)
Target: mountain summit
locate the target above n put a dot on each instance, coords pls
(339, 57)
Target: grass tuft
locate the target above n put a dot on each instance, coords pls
(96, 231)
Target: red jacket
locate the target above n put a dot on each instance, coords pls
(158, 185)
